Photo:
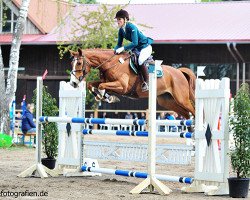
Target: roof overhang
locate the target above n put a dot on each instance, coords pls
(247, 41)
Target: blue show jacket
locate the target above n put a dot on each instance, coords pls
(27, 121)
(137, 38)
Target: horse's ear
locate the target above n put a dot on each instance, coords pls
(80, 52)
(73, 53)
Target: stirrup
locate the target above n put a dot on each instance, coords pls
(144, 87)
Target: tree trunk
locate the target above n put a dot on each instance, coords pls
(3, 115)
(5, 119)
(9, 94)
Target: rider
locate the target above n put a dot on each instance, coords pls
(138, 41)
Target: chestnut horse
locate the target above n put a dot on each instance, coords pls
(175, 89)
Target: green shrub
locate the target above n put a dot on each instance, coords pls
(50, 130)
(240, 125)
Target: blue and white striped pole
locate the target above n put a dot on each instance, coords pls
(138, 133)
(138, 122)
(180, 179)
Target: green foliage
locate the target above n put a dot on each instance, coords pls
(240, 124)
(4, 17)
(50, 137)
(98, 30)
(90, 100)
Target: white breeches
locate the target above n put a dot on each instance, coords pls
(144, 54)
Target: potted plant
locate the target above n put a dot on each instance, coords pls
(50, 130)
(240, 154)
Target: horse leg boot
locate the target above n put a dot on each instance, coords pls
(108, 98)
(144, 72)
(96, 93)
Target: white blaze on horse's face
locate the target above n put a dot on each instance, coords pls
(73, 80)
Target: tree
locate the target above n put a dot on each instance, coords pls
(8, 86)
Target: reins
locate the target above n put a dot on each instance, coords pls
(112, 65)
(83, 70)
(105, 61)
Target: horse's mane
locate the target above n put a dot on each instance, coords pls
(99, 49)
(111, 51)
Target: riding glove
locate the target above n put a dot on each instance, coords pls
(119, 50)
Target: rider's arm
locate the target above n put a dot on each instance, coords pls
(134, 38)
(120, 39)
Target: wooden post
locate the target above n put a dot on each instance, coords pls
(95, 116)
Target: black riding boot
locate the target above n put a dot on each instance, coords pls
(144, 72)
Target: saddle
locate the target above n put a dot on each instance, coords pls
(134, 65)
(134, 55)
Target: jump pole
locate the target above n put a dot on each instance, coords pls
(151, 181)
(38, 168)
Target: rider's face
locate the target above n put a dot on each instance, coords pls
(120, 22)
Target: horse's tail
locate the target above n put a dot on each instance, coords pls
(190, 76)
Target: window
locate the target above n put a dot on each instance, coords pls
(8, 19)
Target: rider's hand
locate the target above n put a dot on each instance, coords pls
(119, 50)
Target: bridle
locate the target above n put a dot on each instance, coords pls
(85, 62)
(83, 70)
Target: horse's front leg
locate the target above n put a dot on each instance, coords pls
(93, 88)
(101, 94)
(115, 86)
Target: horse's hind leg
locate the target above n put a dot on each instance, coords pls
(167, 102)
(185, 103)
(180, 93)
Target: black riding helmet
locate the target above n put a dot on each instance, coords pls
(122, 14)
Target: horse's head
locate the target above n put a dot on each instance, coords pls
(80, 67)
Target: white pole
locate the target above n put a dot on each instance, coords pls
(152, 122)
(39, 98)
(151, 182)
